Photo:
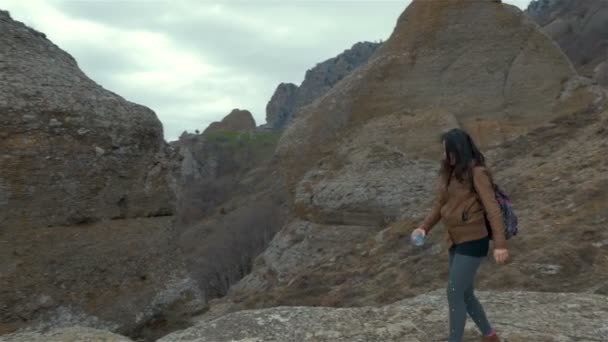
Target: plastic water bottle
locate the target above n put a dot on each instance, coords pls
(417, 239)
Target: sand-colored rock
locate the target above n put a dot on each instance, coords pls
(484, 63)
(237, 121)
(580, 27)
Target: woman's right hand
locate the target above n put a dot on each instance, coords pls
(501, 255)
(419, 230)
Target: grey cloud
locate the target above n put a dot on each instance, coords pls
(123, 14)
(227, 42)
(102, 60)
(178, 109)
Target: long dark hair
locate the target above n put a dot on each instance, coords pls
(459, 144)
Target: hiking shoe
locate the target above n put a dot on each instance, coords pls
(493, 338)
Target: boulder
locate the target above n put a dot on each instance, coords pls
(237, 121)
(73, 151)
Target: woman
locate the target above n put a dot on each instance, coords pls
(465, 192)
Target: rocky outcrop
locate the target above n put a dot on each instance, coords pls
(237, 121)
(365, 155)
(580, 27)
(281, 106)
(519, 317)
(289, 98)
(72, 151)
(542, 10)
(95, 168)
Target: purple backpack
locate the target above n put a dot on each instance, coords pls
(508, 215)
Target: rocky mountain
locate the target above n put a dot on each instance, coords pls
(214, 164)
(289, 98)
(553, 317)
(365, 155)
(86, 197)
(281, 106)
(73, 151)
(580, 27)
(237, 121)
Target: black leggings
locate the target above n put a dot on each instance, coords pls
(461, 296)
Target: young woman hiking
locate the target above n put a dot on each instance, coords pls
(464, 194)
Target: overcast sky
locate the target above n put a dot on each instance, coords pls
(194, 61)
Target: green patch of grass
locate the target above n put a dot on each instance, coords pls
(241, 140)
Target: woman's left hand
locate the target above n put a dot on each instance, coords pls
(501, 255)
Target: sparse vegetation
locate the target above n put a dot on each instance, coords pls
(219, 252)
(240, 139)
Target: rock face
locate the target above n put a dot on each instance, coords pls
(281, 106)
(95, 167)
(123, 275)
(237, 121)
(518, 316)
(72, 151)
(580, 27)
(289, 98)
(365, 155)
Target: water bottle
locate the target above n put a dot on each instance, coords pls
(417, 239)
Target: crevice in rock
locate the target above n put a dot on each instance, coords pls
(512, 63)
